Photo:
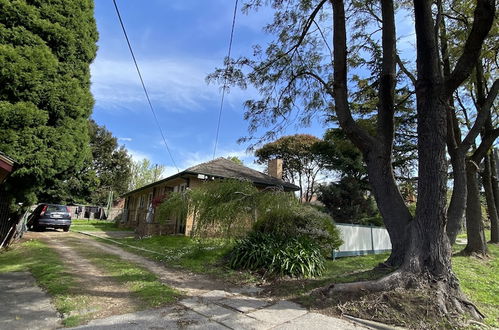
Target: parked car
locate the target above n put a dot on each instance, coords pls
(50, 215)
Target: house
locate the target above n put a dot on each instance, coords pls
(6, 166)
(140, 203)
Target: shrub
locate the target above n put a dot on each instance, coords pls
(297, 220)
(221, 208)
(278, 255)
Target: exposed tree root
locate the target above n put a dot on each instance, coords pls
(404, 293)
(467, 253)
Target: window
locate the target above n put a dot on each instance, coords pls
(141, 201)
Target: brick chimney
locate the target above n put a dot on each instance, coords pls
(275, 168)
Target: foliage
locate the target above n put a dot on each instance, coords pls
(340, 155)
(278, 255)
(347, 201)
(105, 170)
(144, 173)
(45, 99)
(236, 160)
(221, 206)
(111, 164)
(298, 220)
(300, 164)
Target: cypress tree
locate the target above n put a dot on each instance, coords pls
(46, 48)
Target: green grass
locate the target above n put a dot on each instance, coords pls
(95, 225)
(480, 281)
(204, 257)
(141, 282)
(49, 272)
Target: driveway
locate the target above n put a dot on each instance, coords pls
(24, 305)
(207, 304)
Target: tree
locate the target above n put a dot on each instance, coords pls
(463, 165)
(347, 200)
(111, 163)
(45, 95)
(300, 164)
(297, 78)
(294, 71)
(235, 159)
(144, 173)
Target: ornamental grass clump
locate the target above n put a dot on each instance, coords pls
(276, 255)
(289, 239)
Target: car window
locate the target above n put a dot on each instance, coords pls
(56, 208)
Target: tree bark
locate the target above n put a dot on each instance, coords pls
(489, 197)
(457, 205)
(474, 223)
(429, 251)
(377, 151)
(495, 189)
(391, 204)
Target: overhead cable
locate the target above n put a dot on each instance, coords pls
(143, 84)
(225, 78)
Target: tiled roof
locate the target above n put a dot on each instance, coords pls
(225, 168)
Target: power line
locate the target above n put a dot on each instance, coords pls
(225, 78)
(143, 84)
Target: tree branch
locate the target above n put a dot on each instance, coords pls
(482, 22)
(405, 71)
(361, 138)
(482, 116)
(485, 145)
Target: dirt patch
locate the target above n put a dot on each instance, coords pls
(102, 296)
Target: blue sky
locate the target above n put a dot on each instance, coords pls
(177, 43)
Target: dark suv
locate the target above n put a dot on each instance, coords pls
(50, 215)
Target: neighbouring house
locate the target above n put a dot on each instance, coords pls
(6, 166)
(140, 203)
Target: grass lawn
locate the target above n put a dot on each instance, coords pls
(50, 273)
(95, 225)
(205, 257)
(480, 281)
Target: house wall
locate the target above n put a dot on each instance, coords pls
(142, 216)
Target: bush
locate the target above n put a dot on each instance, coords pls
(297, 220)
(278, 255)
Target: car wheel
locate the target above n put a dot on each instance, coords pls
(66, 228)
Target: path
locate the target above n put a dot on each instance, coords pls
(24, 305)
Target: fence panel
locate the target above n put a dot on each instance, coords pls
(361, 240)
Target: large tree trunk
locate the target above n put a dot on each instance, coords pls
(489, 196)
(457, 204)
(495, 189)
(474, 224)
(391, 205)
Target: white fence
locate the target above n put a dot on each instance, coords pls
(360, 240)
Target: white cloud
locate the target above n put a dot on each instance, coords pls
(175, 84)
(127, 139)
(138, 155)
